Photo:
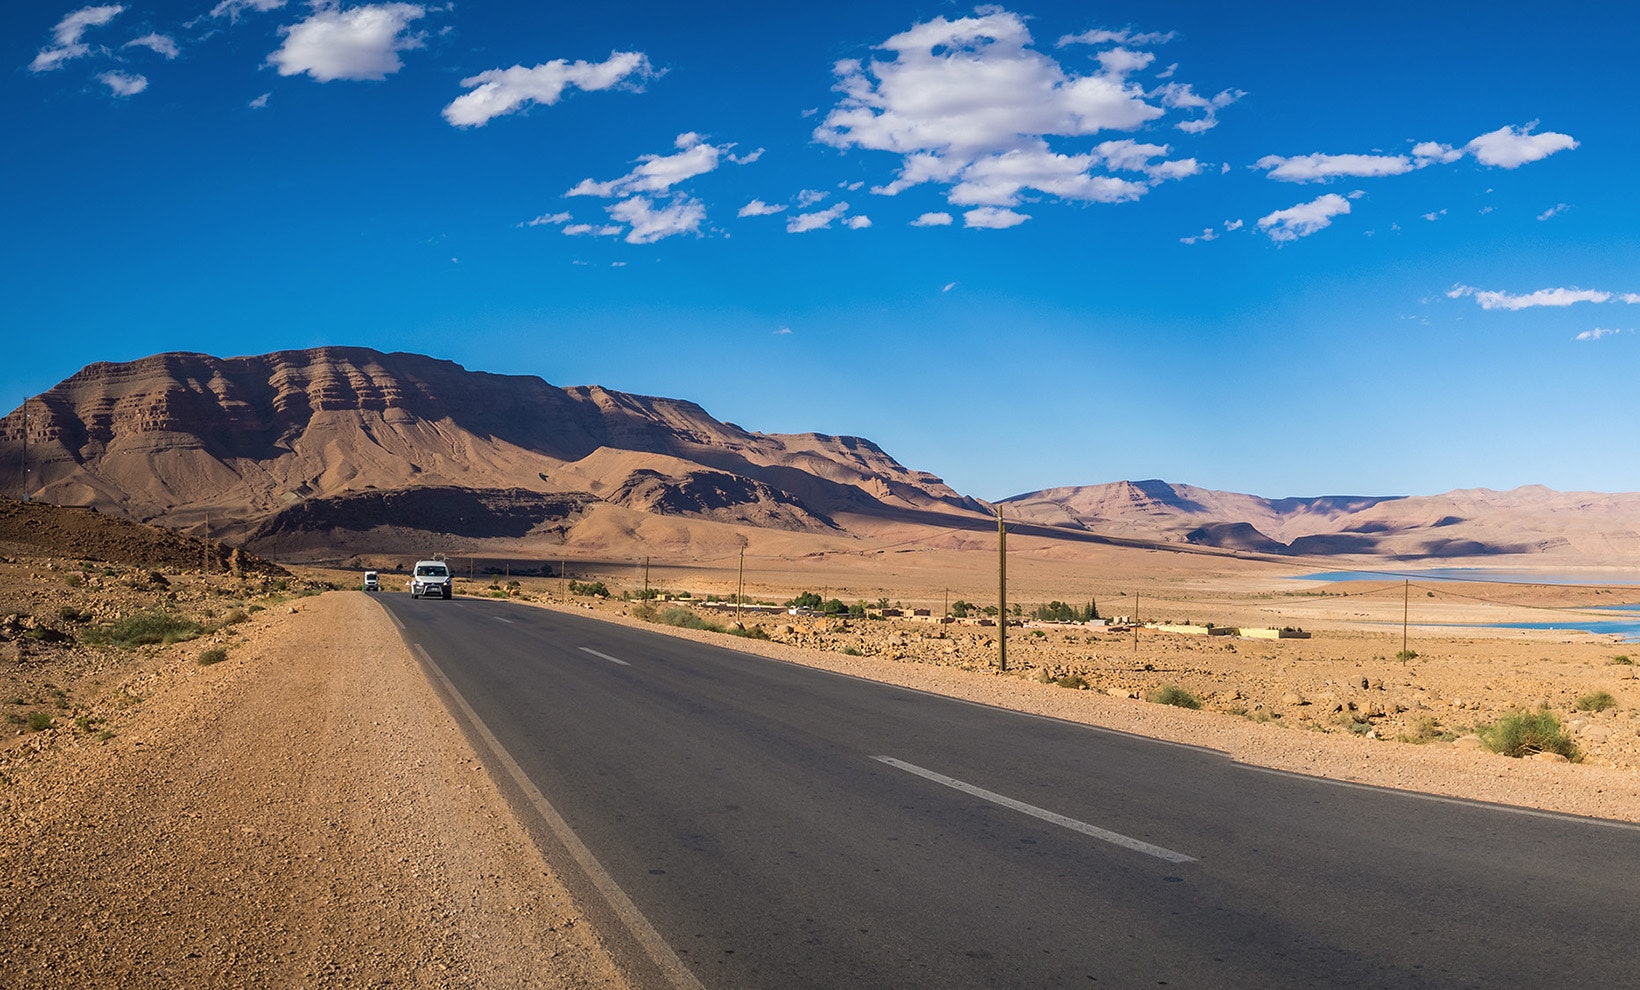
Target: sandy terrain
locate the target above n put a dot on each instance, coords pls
(305, 811)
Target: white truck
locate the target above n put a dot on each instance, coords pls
(430, 579)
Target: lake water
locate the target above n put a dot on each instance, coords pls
(1593, 578)
(1627, 627)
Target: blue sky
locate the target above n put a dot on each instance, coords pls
(1281, 248)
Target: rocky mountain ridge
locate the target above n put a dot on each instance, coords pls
(249, 446)
(339, 447)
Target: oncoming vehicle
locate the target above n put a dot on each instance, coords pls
(372, 581)
(431, 578)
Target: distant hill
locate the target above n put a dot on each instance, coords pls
(1470, 523)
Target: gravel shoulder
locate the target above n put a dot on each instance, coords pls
(303, 814)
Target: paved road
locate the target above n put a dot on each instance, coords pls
(742, 822)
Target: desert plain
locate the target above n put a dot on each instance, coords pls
(273, 799)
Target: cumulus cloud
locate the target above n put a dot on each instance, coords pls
(162, 44)
(1304, 219)
(124, 83)
(1512, 147)
(993, 218)
(1558, 297)
(1597, 333)
(642, 211)
(659, 173)
(970, 104)
(1507, 147)
(802, 223)
(503, 91)
(354, 44)
(1322, 168)
(68, 35)
(646, 223)
(932, 220)
(758, 208)
(860, 222)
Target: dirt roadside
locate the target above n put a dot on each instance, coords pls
(305, 813)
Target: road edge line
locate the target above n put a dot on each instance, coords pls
(659, 952)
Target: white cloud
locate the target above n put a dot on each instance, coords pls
(1230, 225)
(993, 218)
(1304, 219)
(949, 286)
(932, 220)
(1559, 297)
(1207, 234)
(547, 218)
(1512, 147)
(162, 44)
(1507, 147)
(808, 197)
(1322, 168)
(124, 83)
(1597, 333)
(970, 104)
(802, 223)
(502, 91)
(783, 332)
(259, 102)
(648, 224)
(659, 173)
(359, 43)
(231, 9)
(68, 34)
(758, 208)
(600, 230)
(1122, 37)
(1553, 211)
(1432, 217)
(860, 222)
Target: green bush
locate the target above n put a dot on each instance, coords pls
(1074, 681)
(1520, 734)
(145, 629)
(214, 655)
(38, 721)
(591, 589)
(1173, 695)
(1596, 701)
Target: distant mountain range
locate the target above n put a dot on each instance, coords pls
(351, 449)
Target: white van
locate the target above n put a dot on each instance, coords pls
(372, 581)
(430, 579)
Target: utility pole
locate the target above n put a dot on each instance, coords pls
(646, 578)
(740, 592)
(1002, 592)
(947, 613)
(1406, 609)
(561, 592)
(1135, 621)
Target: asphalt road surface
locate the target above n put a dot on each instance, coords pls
(733, 821)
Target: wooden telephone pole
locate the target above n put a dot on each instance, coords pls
(1002, 592)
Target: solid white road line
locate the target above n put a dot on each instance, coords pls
(1115, 838)
(653, 944)
(604, 656)
(500, 619)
